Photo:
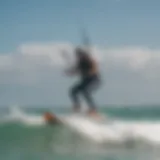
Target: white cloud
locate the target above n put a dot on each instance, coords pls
(136, 57)
(35, 57)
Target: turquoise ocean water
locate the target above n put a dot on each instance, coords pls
(129, 133)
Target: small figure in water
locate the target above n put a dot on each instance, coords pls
(51, 118)
(88, 70)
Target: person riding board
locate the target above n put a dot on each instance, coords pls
(88, 70)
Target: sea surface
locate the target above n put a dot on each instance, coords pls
(126, 133)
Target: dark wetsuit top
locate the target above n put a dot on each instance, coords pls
(84, 66)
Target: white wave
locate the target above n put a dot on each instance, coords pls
(118, 131)
(17, 115)
(115, 130)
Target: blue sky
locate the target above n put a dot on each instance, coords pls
(29, 30)
(110, 22)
